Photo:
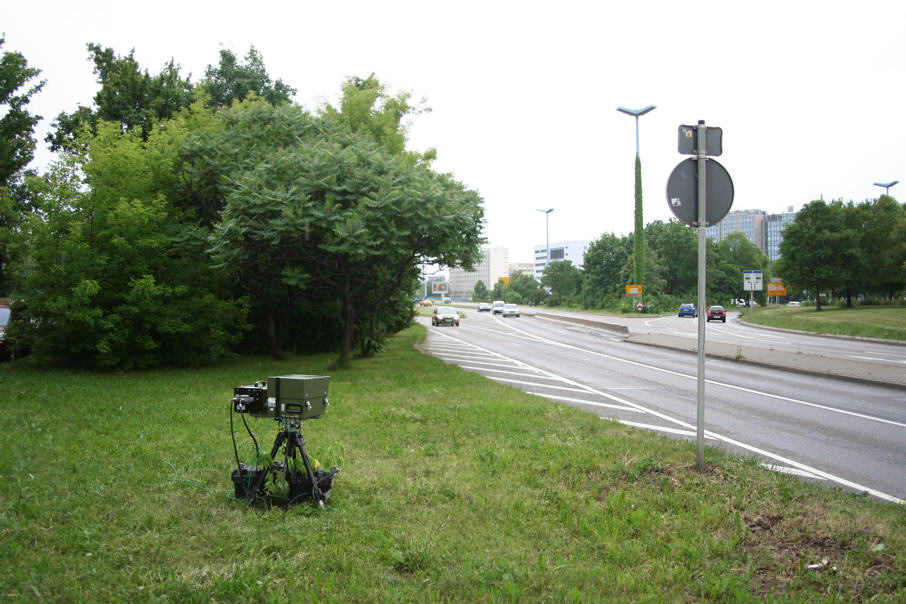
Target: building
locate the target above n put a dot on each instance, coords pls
(524, 268)
(564, 250)
(494, 265)
(763, 229)
(776, 224)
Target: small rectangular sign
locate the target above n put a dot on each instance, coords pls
(633, 290)
(688, 140)
(753, 280)
(776, 288)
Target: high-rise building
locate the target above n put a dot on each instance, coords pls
(776, 224)
(494, 265)
(573, 251)
(763, 229)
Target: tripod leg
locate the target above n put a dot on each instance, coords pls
(316, 493)
(262, 478)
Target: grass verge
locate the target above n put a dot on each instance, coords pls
(886, 322)
(453, 488)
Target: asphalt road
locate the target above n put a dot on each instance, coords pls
(842, 433)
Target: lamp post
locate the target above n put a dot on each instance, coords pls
(638, 273)
(547, 235)
(886, 185)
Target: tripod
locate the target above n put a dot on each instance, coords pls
(300, 485)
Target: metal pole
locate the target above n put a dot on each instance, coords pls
(702, 269)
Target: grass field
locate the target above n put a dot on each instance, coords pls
(452, 489)
(886, 322)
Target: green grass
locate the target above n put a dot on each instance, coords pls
(886, 322)
(453, 488)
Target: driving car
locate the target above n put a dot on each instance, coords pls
(794, 303)
(426, 302)
(510, 310)
(484, 307)
(687, 310)
(717, 313)
(497, 306)
(445, 315)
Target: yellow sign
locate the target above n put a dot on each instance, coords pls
(506, 280)
(776, 288)
(633, 290)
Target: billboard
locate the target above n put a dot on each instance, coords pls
(440, 287)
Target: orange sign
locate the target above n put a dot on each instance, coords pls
(776, 288)
(633, 290)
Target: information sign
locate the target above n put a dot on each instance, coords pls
(753, 281)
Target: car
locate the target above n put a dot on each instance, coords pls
(6, 315)
(426, 302)
(445, 315)
(794, 303)
(497, 306)
(484, 307)
(717, 313)
(687, 310)
(510, 310)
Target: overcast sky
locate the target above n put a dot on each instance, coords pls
(809, 94)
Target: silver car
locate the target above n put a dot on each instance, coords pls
(510, 310)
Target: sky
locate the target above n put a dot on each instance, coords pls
(809, 94)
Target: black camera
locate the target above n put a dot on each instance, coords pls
(288, 396)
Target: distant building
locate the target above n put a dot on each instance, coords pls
(494, 265)
(564, 250)
(525, 268)
(763, 229)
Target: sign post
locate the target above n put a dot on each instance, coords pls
(752, 281)
(700, 193)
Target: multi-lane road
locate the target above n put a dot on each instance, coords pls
(845, 434)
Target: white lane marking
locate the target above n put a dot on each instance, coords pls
(555, 397)
(537, 385)
(758, 451)
(726, 385)
(458, 357)
(854, 356)
(661, 429)
(793, 471)
(522, 373)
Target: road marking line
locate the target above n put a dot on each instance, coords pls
(661, 428)
(793, 471)
(554, 397)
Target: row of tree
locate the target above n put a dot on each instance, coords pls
(186, 222)
(840, 249)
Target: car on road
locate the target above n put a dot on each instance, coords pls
(497, 307)
(717, 313)
(484, 307)
(687, 310)
(794, 303)
(510, 310)
(426, 302)
(445, 315)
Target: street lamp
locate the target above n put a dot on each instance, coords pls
(638, 273)
(547, 231)
(886, 185)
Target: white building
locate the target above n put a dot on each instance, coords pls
(563, 250)
(494, 265)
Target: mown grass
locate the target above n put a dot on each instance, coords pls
(886, 322)
(453, 488)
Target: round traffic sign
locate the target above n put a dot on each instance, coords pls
(682, 192)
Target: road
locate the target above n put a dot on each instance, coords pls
(843, 433)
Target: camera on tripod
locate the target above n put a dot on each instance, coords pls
(288, 396)
(288, 399)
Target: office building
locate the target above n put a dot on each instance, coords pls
(573, 251)
(494, 265)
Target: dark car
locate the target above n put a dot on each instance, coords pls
(445, 315)
(484, 307)
(688, 310)
(717, 313)
(6, 315)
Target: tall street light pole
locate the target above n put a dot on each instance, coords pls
(547, 234)
(886, 186)
(638, 273)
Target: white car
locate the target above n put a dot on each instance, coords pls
(510, 310)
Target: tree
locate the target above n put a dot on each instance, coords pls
(812, 248)
(325, 211)
(563, 279)
(481, 293)
(880, 251)
(115, 279)
(17, 146)
(233, 81)
(602, 265)
(128, 96)
(677, 249)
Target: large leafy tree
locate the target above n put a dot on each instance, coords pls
(322, 212)
(117, 278)
(812, 248)
(17, 146)
(880, 252)
(564, 279)
(128, 96)
(677, 249)
(602, 266)
(232, 80)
